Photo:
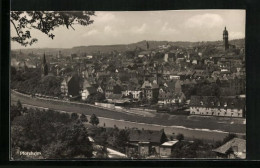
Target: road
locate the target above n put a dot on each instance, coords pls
(209, 128)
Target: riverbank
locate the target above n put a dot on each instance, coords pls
(210, 128)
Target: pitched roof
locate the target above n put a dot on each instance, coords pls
(86, 84)
(240, 144)
(169, 143)
(146, 136)
(222, 102)
(146, 84)
(91, 90)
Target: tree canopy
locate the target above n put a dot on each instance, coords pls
(94, 120)
(53, 134)
(46, 22)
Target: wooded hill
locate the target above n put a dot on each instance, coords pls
(125, 47)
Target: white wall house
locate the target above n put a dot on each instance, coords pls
(212, 106)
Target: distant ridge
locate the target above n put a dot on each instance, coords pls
(124, 47)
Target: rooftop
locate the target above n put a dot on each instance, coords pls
(169, 143)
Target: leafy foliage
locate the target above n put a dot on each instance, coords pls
(74, 116)
(97, 97)
(72, 142)
(83, 118)
(121, 138)
(31, 82)
(195, 149)
(94, 120)
(46, 22)
(14, 112)
(228, 138)
(53, 134)
(180, 137)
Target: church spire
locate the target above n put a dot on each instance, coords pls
(44, 59)
(44, 66)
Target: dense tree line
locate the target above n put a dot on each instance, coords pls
(31, 82)
(97, 97)
(56, 135)
(110, 137)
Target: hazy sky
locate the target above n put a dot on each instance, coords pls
(133, 26)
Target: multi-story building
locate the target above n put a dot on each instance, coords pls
(70, 86)
(213, 106)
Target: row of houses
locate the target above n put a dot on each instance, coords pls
(213, 106)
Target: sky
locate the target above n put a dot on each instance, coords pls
(126, 27)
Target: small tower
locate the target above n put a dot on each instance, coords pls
(147, 45)
(225, 39)
(59, 54)
(44, 66)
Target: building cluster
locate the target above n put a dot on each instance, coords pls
(146, 143)
(157, 76)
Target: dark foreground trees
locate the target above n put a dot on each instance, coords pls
(54, 134)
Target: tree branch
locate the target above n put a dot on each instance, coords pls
(15, 27)
(72, 27)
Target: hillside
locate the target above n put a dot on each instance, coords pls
(124, 47)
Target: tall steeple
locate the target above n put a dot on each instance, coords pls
(225, 39)
(44, 59)
(44, 66)
(147, 45)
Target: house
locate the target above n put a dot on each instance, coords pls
(166, 93)
(87, 91)
(144, 53)
(165, 96)
(133, 91)
(224, 65)
(89, 56)
(110, 87)
(150, 90)
(100, 89)
(223, 106)
(145, 142)
(167, 147)
(174, 77)
(233, 149)
(70, 86)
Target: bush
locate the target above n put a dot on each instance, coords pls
(83, 118)
(180, 137)
(94, 120)
(74, 116)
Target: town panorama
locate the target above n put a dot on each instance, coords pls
(150, 99)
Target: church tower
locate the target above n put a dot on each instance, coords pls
(44, 66)
(225, 39)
